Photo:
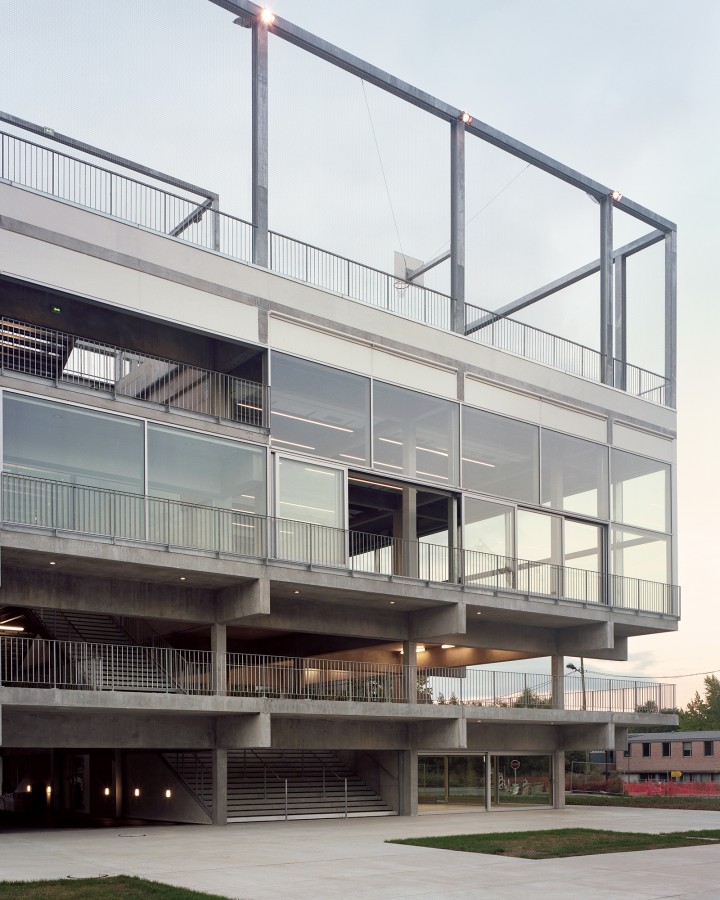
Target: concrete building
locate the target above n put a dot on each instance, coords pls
(271, 518)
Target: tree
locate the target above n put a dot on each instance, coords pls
(529, 699)
(703, 713)
(652, 707)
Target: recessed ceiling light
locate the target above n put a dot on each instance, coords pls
(182, 578)
(392, 603)
(296, 592)
(53, 564)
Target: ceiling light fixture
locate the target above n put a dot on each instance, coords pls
(313, 422)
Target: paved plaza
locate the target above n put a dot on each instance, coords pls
(349, 858)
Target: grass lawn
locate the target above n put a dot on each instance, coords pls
(559, 842)
(694, 802)
(122, 886)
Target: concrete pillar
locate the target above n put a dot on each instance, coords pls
(410, 677)
(558, 681)
(118, 783)
(260, 179)
(219, 784)
(558, 779)
(407, 783)
(218, 645)
(488, 782)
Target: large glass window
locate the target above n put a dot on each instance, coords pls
(539, 551)
(500, 456)
(638, 554)
(641, 491)
(582, 554)
(316, 409)
(488, 542)
(311, 512)
(415, 435)
(87, 468)
(574, 475)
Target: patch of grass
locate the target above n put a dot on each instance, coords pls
(709, 803)
(120, 886)
(559, 842)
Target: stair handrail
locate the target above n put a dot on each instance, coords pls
(269, 768)
(340, 778)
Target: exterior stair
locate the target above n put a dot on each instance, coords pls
(256, 785)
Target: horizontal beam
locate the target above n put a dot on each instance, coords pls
(105, 155)
(412, 274)
(191, 219)
(565, 281)
(405, 91)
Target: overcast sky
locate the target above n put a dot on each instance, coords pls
(626, 91)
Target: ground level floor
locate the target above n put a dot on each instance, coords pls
(350, 858)
(220, 786)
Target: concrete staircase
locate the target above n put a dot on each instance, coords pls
(256, 785)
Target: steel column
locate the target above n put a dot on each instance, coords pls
(606, 288)
(671, 317)
(260, 143)
(457, 225)
(621, 321)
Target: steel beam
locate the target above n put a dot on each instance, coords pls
(261, 237)
(653, 237)
(457, 225)
(113, 158)
(405, 91)
(621, 322)
(412, 274)
(607, 318)
(191, 219)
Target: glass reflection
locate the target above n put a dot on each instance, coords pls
(488, 541)
(311, 513)
(641, 491)
(415, 435)
(500, 456)
(574, 475)
(320, 410)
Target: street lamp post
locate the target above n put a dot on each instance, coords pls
(581, 671)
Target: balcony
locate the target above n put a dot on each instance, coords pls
(198, 221)
(101, 514)
(78, 666)
(69, 359)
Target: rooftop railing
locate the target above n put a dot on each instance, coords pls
(198, 221)
(75, 665)
(70, 359)
(103, 513)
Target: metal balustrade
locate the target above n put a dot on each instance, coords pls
(70, 359)
(496, 688)
(76, 665)
(198, 221)
(99, 512)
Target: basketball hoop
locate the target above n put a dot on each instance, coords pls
(402, 286)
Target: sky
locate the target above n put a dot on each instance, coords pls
(625, 91)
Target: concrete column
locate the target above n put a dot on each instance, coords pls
(118, 783)
(558, 779)
(407, 783)
(219, 785)
(558, 681)
(218, 645)
(261, 245)
(488, 782)
(410, 671)
(621, 321)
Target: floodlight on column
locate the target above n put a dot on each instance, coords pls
(465, 118)
(615, 196)
(267, 16)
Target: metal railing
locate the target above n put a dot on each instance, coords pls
(191, 219)
(70, 359)
(76, 665)
(197, 221)
(104, 513)
(79, 665)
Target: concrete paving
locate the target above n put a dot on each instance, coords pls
(348, 858)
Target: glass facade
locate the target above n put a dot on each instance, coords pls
(72, 444)
(311, 512)
(574, 475)
(640, 491)
(319, 410)
(489, 540)
(500, 456)
(415, 435)
(638, 554)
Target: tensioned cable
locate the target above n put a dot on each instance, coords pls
(687, 675)
(483, 208)
(382, 169)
